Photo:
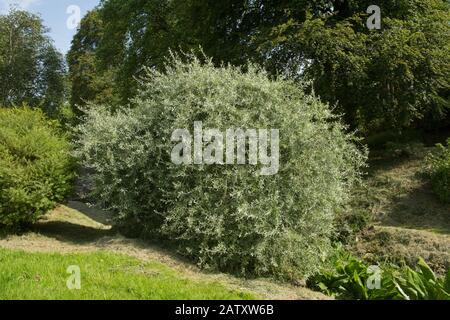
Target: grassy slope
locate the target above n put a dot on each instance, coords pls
(33, 265)
(408, 219)
(26, 275)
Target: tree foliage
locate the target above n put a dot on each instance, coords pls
(380, 79)
(88, 81)
(395, 77)
(31, 69)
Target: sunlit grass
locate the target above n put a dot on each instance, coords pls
(103, 276)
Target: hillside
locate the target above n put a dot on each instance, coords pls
(408, 220)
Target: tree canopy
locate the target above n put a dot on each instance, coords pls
(395, 77)
(32, 71)
(88, 82)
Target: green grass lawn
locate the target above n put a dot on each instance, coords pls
(103, 276)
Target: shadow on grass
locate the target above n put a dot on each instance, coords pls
(80, 225)
(386, 160)
(419, 209)
(91, 212)
(71, 232)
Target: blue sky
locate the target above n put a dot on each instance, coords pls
(55, 16)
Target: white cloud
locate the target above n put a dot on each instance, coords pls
(23, 4)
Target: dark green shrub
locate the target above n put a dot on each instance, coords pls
(226, 217)
(349, 278)
(439, 171)
(35, 166)
(66, 117)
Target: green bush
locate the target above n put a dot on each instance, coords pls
(35, 166)
(349, 278)
(226, 217)
(65, 116)
(346, 279)
(439, 170)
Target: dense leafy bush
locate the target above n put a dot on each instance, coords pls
(35, 166)
(225, 216)
(65, 116)
(350, 278)
(439, 170)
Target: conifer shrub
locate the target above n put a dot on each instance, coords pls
(36, 168)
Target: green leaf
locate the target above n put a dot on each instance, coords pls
(359, 286)
(400, 290)
(426, 270)
(447, 282)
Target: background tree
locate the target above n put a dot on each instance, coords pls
(88, 82)
(140, 33)
(392, 78)
(31, 69)
(396, 77)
